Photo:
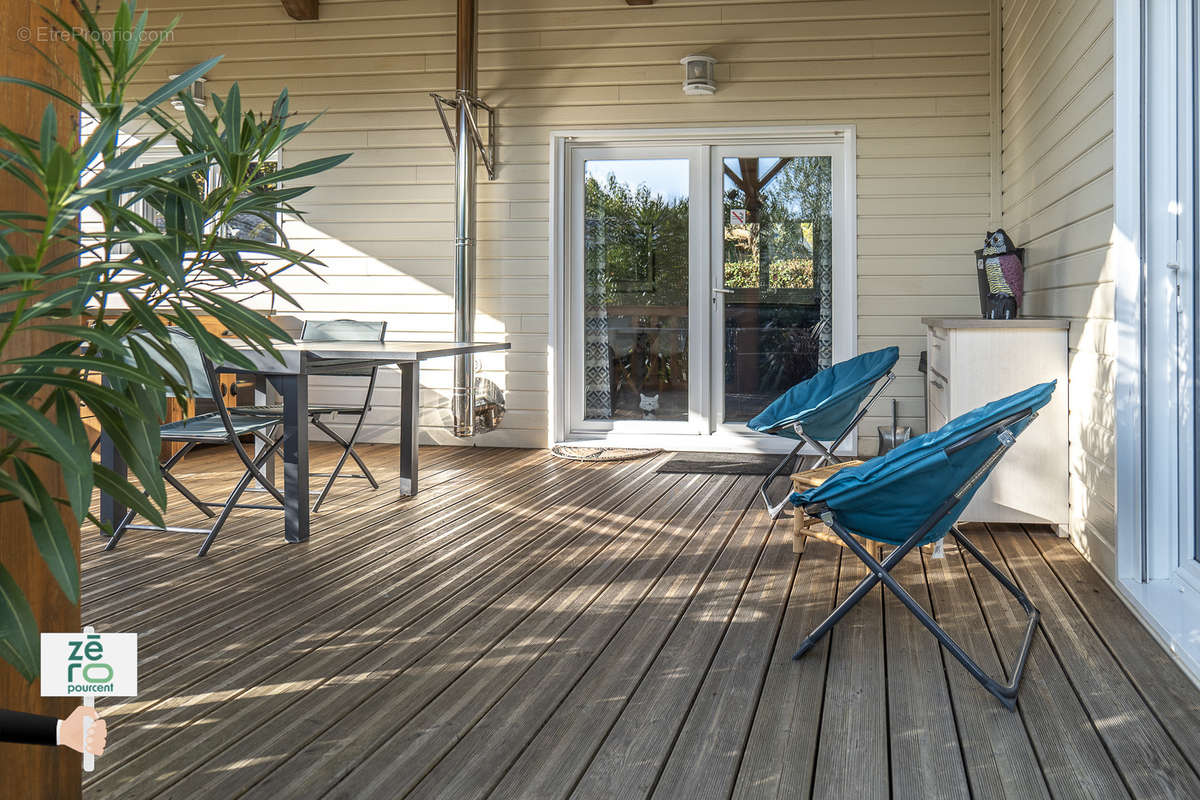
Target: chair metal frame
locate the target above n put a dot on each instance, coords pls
(347, 445)
(826, 455)
(253, 472)
(1006, 693)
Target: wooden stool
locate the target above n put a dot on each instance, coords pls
(804, 525)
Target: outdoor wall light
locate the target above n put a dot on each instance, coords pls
(698, 74)
(197, 94)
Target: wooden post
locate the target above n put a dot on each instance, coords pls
(33, 772)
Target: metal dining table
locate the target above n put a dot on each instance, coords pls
(290, 379)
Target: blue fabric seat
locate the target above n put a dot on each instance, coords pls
(913, 495)
(887, 498)
(825, 404)
(824, 408)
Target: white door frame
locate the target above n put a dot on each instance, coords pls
(563, 291)
(574, 301)
(1154, 268)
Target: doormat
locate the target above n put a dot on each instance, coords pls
(720, 464)
(602, 453)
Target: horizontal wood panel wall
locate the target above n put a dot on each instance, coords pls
(913, 75)
(1057, 190)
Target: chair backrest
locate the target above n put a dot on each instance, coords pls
(889, 498)
(183, 343)
(342, 330)
(827, 402)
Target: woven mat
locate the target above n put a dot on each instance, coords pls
(601, 453)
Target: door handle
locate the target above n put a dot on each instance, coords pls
(720, 290)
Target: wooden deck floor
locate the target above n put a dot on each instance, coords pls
(528, 627)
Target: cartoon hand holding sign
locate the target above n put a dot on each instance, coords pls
(86, 665)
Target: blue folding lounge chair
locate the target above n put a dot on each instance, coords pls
(912, 496)
(824, 408)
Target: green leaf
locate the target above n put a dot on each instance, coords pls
(73, 102)
(49, 132)
(26, 423)
(16, 489)
(136, 447)
(127, 494)
(171, 88)
(61, 174)
(49, 532)
(120, 369)
(19, 643)
(302, 170)
(79, 484)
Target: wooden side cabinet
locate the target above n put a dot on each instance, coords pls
(974, 361)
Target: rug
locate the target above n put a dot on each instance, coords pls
(721, 463)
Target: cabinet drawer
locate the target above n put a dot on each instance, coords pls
(939, 395)
(939, 351)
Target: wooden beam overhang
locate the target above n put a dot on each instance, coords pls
(301, 9)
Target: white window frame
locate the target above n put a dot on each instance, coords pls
(700, 432)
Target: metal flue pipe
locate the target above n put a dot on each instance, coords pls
(466, 75)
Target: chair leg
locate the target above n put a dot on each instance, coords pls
(242, 485)
(165, 468)
(119, 531)
(860, 591)
(347, 450)
(333, 477)
(178, 485)
(825, 455)
(881, 572)
(775, 509)
(247, 476)
(354, 453)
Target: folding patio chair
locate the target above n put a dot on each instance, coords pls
(223, 426)
(824, 408)
(913, 496)
(338, 330)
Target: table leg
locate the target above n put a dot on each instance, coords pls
(294, 389)
(112, 510)
(410, 415)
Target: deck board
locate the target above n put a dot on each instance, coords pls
(528, 627)
(852, 754)
(926, 758)
(1072, 755)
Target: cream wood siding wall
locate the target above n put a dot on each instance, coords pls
(1057, 189)
(913, 75)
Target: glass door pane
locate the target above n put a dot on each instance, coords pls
(777, 268)
(635, 287)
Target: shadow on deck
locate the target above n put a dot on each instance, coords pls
(528, 627)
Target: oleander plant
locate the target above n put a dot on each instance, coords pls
(121, 242)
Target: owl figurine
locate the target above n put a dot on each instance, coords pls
(1002, 276)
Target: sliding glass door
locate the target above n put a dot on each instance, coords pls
(774, 302)
(634, 266)
(702, 279)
